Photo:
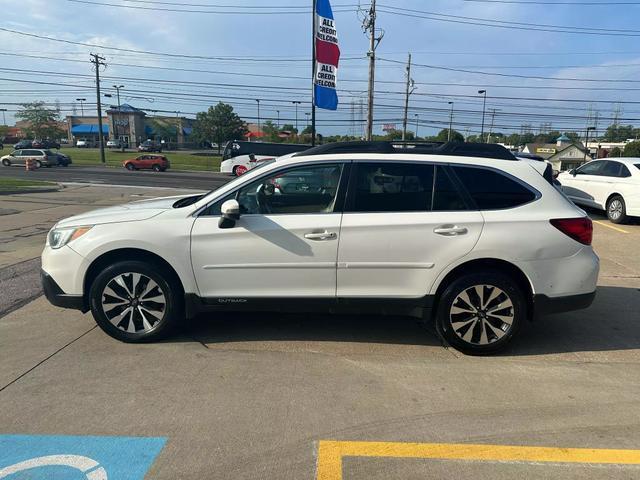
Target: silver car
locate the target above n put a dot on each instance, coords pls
(42, 158)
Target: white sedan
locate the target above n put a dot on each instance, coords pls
(612, 185)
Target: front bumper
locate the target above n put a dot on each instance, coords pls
(57, 297)
(543, 305)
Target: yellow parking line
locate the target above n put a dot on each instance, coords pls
(331, 453)
(617, 229)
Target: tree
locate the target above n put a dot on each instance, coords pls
(219, 124)
(287, 127)
(632, 149)
(443, 135)
(615, 152)
(270, 131)
(3, 131)
(619, 133)
(41, 122)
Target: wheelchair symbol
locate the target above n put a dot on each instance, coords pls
(86, 465)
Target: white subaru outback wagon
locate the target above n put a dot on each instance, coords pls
(463, 234)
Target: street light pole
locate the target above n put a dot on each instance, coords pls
(81, 100)
(484, 104)
(417, 116)
(307, 115)
(118, 87)
(4, 120)
(586, 143)
(259, 127)
(450, 122)
(296, 103)
(278, 112)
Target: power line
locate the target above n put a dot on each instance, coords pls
(216, 12)
(554, 2)
(486, 22)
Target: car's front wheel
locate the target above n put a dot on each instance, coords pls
(480, 313)
(617, 210)
(157, 168)
(136, 301)
(6, 162)
(130, 167)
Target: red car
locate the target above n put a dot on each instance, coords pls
(157, 163)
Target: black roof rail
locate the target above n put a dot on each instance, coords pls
(460, 149)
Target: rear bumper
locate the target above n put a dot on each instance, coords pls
(57, 297)
(543, 305)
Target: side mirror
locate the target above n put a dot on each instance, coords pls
(230, 214)
(573, 172)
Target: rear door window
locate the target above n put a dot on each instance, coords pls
(446, 196)
(392, 187)
(492, 190)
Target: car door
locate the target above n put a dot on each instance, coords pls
(403, 224)
(580, 186)
(285, 243)
(18, 158)
(611, 180)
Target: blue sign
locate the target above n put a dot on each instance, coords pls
(44, 457)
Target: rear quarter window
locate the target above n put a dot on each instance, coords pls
(492, 190)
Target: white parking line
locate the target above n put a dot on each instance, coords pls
(617, 229)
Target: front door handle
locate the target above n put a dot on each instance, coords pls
(450, 230)
(320, 236)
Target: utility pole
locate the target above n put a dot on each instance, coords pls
(278, 112)
(417, 117)
(370, 26)
(97, 62)
(296, 103)
(409, 91)
(118, 87)
(450, 122)
(484, 104)
(307, 115)
(586, 143)
(81, 100)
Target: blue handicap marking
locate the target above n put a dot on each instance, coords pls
(56, 457)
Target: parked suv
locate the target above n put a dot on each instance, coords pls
(465, 235)
(150, 146)
(42, 158)
(157, 163)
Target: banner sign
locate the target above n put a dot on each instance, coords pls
(327, 57)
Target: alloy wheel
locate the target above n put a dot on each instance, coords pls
(615, 209)
(481, 314)
(134, 302)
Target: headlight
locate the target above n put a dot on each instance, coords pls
(59, 237)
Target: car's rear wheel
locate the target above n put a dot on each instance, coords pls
(136, 301)
(38, 164)
(156, 168)
(239, 170)
(480, 313)
(617, 210)
(6, 162)
(130, 167)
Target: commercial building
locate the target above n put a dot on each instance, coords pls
(564, 155)
(131, 126)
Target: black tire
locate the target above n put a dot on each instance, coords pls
(38, 164)
(617, 210)
(6, 162)
(169, 310)
(465, 334)
(156, 168)
(65, 164)
(130, 167)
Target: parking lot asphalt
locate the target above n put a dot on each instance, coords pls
(290, 397)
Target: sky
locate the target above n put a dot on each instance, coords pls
(205, 51)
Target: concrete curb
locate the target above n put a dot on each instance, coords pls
(19, 191)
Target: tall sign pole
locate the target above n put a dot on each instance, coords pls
(314, 34)
(326, 57)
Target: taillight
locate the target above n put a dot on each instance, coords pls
(580, 229)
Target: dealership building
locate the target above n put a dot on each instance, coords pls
(130, 125)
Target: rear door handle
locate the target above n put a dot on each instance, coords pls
(450, 230)
(320, 236)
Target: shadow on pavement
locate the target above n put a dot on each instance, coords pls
(261, 327)
(612, 323)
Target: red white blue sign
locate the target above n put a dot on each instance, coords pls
(327, 57)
